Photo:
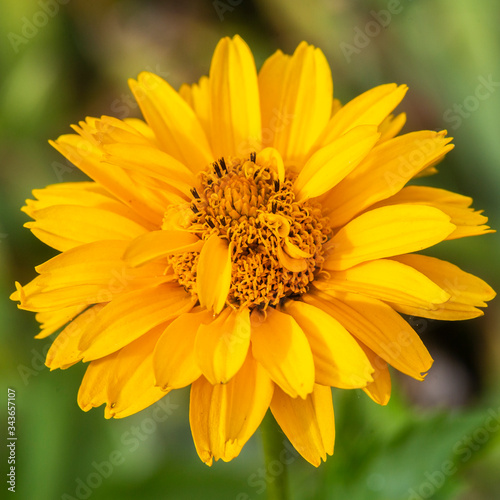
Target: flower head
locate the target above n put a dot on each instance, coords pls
(254, 239)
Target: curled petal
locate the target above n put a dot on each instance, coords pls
(272, 157)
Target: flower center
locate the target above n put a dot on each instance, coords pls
(276, 242)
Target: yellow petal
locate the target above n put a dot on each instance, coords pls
(386, 169)
(130, 315)
(123, 381)
(174, 359)
(142, 127)
(387, 231)
(83, 194)
(151, 162)
(93, 390)
(53, 320)
(279, 344)
(338, 359)
(87, 157)
(386, 280)
(296, 101)
(110, 130)
(336, 106)
(468, 221)
(466, 290)
(224, 416)
(380, 328)
(391, 127)
(234, 95)
(48, 299)
(35, 298)
(330, 164)
(213, 278)
(308, 423)
(175, 124)
(158, 244)
(100, 263)
(90, 273)
(380, 389)
(221, 346)
(66, 226)
(64, 351)
(198, 97)
(369, 108)
(132, 386)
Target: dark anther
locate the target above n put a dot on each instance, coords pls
(273, 207)
(277, 185)
(222, 164)
(217, 169)
(195, 193)
(194, 208)
(253, 156)
(210, 223)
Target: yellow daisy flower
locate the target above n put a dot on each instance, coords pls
(252, 238)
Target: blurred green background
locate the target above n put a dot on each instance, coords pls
(61, 60)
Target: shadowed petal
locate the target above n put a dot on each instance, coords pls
(224, 416)
(338, 359)
(308, 423)
(379, 327)
(279, 344)
(221, 346)
(174, 357)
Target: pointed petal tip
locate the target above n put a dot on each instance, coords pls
(206, 457)
(18, 295)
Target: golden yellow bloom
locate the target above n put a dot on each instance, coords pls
(252, 238)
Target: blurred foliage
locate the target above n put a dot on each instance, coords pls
(63, 60)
